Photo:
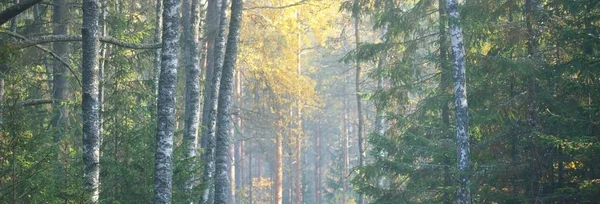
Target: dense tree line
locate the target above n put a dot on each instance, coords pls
(299, 101)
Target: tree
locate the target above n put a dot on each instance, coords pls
(460, 104)
(355, 15)
(192, 87)
(211, 103)
(223, 157)
(60, 88)
(90, 105)
(163, 171)
(16, 9)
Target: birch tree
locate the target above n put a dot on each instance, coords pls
(192, 86)
(90, 105)
(163, 171)
(460, 103)
(210, 108)
(223, 157)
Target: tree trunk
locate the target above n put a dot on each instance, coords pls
(211, 87)
(445, 81)
(165, 127)
(16, 9)
(278, 194)
(358, 100)
(345, 147)
(191, 62)
(157, 38)
(222, 154)
(90, 105)
(241, 150)
(318, 164)
(60, 90)
(460, 104)
(298, 165)
(531, 7)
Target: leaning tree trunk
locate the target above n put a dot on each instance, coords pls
(192, 88)
(223, 158)
(209, 120)
(90, 105)
(163, 171)
(460, 104)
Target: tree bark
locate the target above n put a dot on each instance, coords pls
(166, 103)
(460, 104)
(191, 57)
(60, 90)
(278, 194)
(298, 165)
(358, 99)
(241, 148)
(346, 150)
(318, 164)
(16, 9)
(157, 38)
(90, 105)
(223, 157)
(445, 81)
(210, 107)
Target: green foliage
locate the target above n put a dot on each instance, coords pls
(557, 88)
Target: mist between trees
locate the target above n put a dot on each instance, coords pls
(299, 101)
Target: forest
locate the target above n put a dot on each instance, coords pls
(300, 101)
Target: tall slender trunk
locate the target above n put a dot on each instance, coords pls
(165, 127)
(102, 64)
(278, 194)
(460, 104)
(445, 81)
(531, 8)
(191, 57)
(298, 165)
(90, 105)
(250, 176)
(60, 90)
(241, 150)
(318, 164)
(345, 147)
(222, 154)
(211, 92)
(358, 100)
(157, 38)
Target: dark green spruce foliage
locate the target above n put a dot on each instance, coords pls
(555, 87)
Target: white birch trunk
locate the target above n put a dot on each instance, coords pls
(192, 88)
(166, 103)
(90, 103)
(460, 104)
(222, 154)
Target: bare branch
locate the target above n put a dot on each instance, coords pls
(46, 50)
(16, 9)
(278, 7)
(73, 38)
(33, 102)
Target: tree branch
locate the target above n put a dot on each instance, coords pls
(277, 7)
(16, 9)
(33, 102)
(47, 51)
(73, 38)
